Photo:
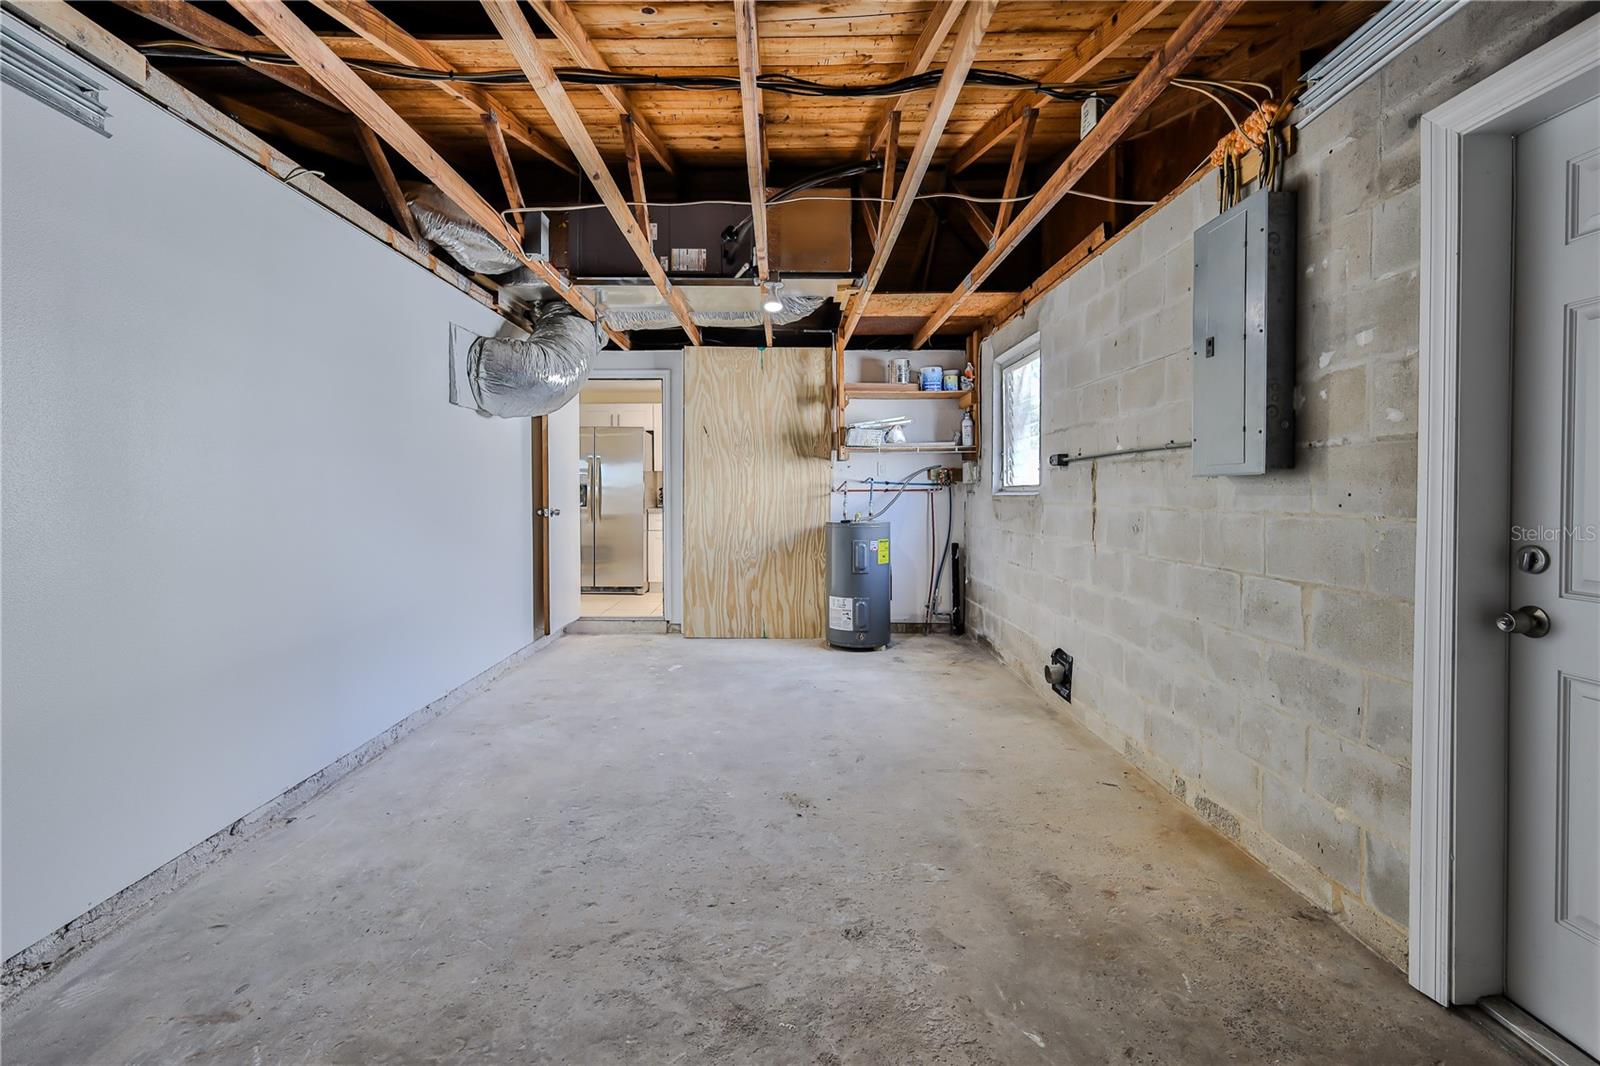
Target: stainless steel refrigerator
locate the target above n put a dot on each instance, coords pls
(612, 461)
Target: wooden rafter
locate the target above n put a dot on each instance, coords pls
(1019, 160)
(293, 132)
(749, 47)
(1201, 25)
(974, 21)
(372, 148)
(934, 31)
(186, 20)
(869, 219)
(274, 19)
(1121, 24)
(518, 35)
(630, 150)
(1253, 57)
(563, 22)
(388, 37)
(972, 217)
(508, 172)
(891, 164)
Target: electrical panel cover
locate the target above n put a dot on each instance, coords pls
(1244, 337)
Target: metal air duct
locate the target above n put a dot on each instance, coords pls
(508, 377)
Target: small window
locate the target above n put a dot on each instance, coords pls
(1017, 424)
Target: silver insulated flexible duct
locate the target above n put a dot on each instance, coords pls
(469, 244)
(505, 377)
(795, 307)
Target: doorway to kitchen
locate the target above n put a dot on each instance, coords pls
(622, 483)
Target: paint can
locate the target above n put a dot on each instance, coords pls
(900, 371)
(932, 378)
(952, 381)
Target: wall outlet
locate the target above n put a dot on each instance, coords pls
(1058, 672)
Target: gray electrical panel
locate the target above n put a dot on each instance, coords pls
(1244, 337)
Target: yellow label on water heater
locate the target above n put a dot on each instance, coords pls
(883, 552)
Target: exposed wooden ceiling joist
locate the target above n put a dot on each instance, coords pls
(630, 151)
(372, 148)
(274, 19)
(188, 21)
(1120, 25)
(507, 169)
(1268, 51)
(974, 21)
(563, 22)
(372, 25)
(515, 31)
(755, 156)
(744, 21)
(263, 121)
(1019, 159)
(934, 31)
(891, 166)
(1157, 74)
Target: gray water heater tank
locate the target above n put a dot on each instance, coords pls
(858, 584)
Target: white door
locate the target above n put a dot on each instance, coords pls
(565, 603)
(1553, 886)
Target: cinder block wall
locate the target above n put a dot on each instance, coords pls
(1248, 641)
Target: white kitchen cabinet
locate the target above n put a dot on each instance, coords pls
(652, 540)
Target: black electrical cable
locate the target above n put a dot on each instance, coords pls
(786, 84)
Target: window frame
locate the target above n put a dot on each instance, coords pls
(1028, 348)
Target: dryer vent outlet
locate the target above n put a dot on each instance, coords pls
(1058, 672)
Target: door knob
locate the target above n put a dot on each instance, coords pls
(1529, 621)
(548, 512)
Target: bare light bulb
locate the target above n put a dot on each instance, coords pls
(770, 303)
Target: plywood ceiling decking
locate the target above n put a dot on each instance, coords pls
(852, 41)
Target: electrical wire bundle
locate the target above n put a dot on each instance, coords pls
(784, 84)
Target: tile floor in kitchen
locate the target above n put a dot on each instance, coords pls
(621, 605)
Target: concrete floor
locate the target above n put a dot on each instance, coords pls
(655, 850)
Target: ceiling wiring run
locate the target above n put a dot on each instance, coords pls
(785, 84)
(550, 208)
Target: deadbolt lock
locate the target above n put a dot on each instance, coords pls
(1528, 621)
(1533, 560)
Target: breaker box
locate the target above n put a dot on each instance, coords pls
(1244, 337)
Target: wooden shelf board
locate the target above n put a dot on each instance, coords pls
(929, 446)
(882, 390)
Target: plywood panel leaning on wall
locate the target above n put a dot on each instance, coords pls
(756, 478)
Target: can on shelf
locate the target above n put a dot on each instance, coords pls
(952, 381)
(900, 371)
(932, 378)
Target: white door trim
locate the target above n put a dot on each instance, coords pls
(667, 368)
(1463, 478)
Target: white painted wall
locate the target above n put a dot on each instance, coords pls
(911, 543)
(244, 531)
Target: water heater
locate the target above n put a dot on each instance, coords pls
(858, 584)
